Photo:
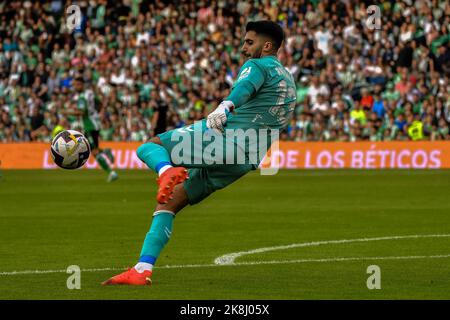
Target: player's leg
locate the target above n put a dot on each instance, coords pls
(157, 158)
(161, 227)
(154, 155)
(155, 240)
(202, 183)
(109, 154)
(103, 159)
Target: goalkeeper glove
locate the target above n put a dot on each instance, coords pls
(218, 118)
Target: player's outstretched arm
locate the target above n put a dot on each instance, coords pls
(250, 79)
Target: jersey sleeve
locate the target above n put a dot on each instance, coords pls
(250, 80)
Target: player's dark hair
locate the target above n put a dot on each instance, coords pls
(269, 29)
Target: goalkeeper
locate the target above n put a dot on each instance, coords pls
(263, 97)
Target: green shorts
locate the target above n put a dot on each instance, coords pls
(205, 177)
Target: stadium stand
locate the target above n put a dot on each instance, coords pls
(159, 65)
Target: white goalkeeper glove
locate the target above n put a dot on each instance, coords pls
(218, 118)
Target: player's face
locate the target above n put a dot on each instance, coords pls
(253, 45)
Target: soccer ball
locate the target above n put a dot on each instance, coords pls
(70, 149)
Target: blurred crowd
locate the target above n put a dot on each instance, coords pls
(159, 65)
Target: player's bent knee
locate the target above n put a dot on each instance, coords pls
(146, 147)
(179, 201)
(141, 151)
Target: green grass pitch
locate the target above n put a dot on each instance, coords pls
(53, 219)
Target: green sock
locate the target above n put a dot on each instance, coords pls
(109, 154)
(157, 237)
(154, 156)
(103, 163)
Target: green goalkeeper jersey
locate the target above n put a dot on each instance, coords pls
(90, 117)
(273, 97)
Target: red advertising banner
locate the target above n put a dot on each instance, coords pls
(362, 155)
(38, 156)
(292, 155)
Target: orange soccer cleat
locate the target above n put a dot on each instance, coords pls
(131, 277)
(167, 182)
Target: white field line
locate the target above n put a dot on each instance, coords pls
(251, 263)
(23, 272)
(231, 257)
(232, 263)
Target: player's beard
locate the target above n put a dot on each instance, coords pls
(257, 53)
